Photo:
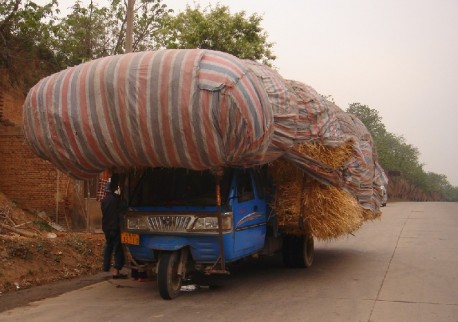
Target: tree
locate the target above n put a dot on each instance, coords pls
(395, 154)
(92, 32)
(25, 39)
(370, 118)
(217, 29)
(385, 143)
(81, 35)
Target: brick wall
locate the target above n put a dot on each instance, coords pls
(11, 101)
(28, 180)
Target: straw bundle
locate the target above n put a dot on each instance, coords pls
(332, 156)
(287, 204)
(330, 212)
(305, 206)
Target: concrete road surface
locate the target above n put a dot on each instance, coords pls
(403, 267)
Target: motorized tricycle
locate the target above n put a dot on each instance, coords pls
(182, 220)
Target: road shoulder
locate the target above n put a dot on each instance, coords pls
(23, 297)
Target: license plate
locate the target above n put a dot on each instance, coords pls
(128, 238)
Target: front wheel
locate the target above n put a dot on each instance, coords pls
(168, 279)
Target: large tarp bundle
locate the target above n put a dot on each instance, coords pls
(196, 109)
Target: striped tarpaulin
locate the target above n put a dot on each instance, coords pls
(171, 108)
(195, 109)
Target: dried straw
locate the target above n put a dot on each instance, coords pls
(332, 156)
(305, 206)
(331, 212)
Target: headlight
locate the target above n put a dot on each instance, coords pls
(211, 223)
(139, 223)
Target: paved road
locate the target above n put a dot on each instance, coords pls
(400, 268)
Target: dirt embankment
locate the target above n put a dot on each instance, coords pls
(33, 253)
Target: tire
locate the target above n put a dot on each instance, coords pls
(305, 251)
(287, 251)
(168, 280)
(298, 251)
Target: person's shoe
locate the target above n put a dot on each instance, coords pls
(120, 276)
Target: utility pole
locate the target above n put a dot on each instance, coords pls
(129, 26)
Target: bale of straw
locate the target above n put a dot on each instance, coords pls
(305, 206)
(284, 172)
(334, 157)
(330, 212)
(288, 187)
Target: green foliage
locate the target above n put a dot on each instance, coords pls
(217, 29)
(369, 117)
(42, 246)
(395, 154)
(35, 41)
(79, 244)
(42, 225)
(20, 250)
(78, 34)
(148, 25)
(26, 36)
(92, 32)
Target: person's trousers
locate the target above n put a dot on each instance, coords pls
(113, 246)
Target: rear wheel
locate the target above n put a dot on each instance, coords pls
(298, 251)
(305, 251)
(168, 279)
(287, 251)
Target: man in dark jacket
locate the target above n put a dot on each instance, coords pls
(111, 226)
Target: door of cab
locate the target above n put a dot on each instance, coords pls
(249, 210)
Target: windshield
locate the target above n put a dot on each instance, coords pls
(176, 187)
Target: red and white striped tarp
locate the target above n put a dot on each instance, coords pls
(196, 109)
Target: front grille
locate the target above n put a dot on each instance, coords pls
(170, 223)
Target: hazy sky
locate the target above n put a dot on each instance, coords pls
(399, 57)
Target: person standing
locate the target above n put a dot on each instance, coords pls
(111, 226)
